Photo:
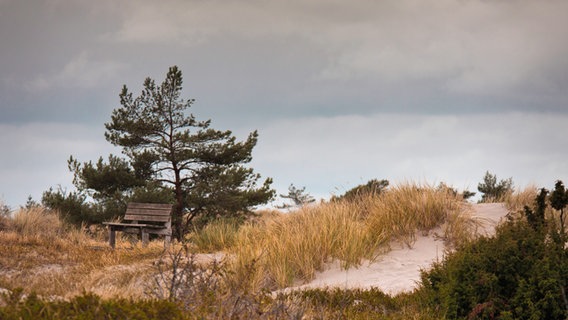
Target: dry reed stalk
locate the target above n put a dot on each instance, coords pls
(218, 235)
(462, 227)
(406, 209)
(37, 221)
(516, 201)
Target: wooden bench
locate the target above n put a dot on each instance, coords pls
(144, 219)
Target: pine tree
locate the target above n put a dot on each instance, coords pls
(168, 148)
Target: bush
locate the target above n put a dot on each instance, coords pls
(493, 191)
(518, 274)
(373, 187)
(87, 306)
(73, 207)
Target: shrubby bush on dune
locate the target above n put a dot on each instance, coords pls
(520, 273)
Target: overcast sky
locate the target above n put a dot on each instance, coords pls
(340, 91)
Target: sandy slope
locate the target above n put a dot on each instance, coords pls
(399, 270)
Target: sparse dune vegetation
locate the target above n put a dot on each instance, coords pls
(229, 269)
(43, 255)
(294, 246)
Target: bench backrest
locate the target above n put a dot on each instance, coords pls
(157, 213)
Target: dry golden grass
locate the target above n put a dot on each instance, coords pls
(294, 246)
(37, 221)
(41, 255)
(271, 251)
(517, 200)
(218, 235)
(408, 208)
(460, 228)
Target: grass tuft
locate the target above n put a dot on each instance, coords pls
(295, 246)
(516, 201)
(37, 222)
(216, 236)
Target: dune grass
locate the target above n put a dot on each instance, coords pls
(271, 251)
(294, 246)
(43, 255)
(517, 200)
(37, 221)
(218, 235)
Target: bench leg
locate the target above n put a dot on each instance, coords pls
(145, 237)
(112, 238)
(167, 240)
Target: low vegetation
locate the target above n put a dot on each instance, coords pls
(52, 271)
(518, 274)
(294, 246)
(43, 255)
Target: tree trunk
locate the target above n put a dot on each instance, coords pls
(178, 208)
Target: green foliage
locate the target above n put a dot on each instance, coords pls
(105, 181)
(559, 201)
(224, 191)
(536, 217)
(172, 157)
(518, 274)
(362, 304)
(372, 187)
(559, 197)
(31, 203)
(87, 306)
(493, 191)
(72, 207)
(298, 196)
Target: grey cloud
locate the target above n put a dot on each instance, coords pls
(473, 46)
(80, 72)
(501, 50)
(390, 89)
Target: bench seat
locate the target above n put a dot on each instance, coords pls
(144, 219)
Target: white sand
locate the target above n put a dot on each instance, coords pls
(399, 269)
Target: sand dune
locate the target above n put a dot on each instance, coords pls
(399, 269)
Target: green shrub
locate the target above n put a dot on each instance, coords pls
(87, 306)
(72, 206)
(493, 191)
(518, 274)
(373, 187)
(362, 304)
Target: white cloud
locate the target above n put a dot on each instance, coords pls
(80, 72)
(328, 155)
(340, 152)
(35, 156)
